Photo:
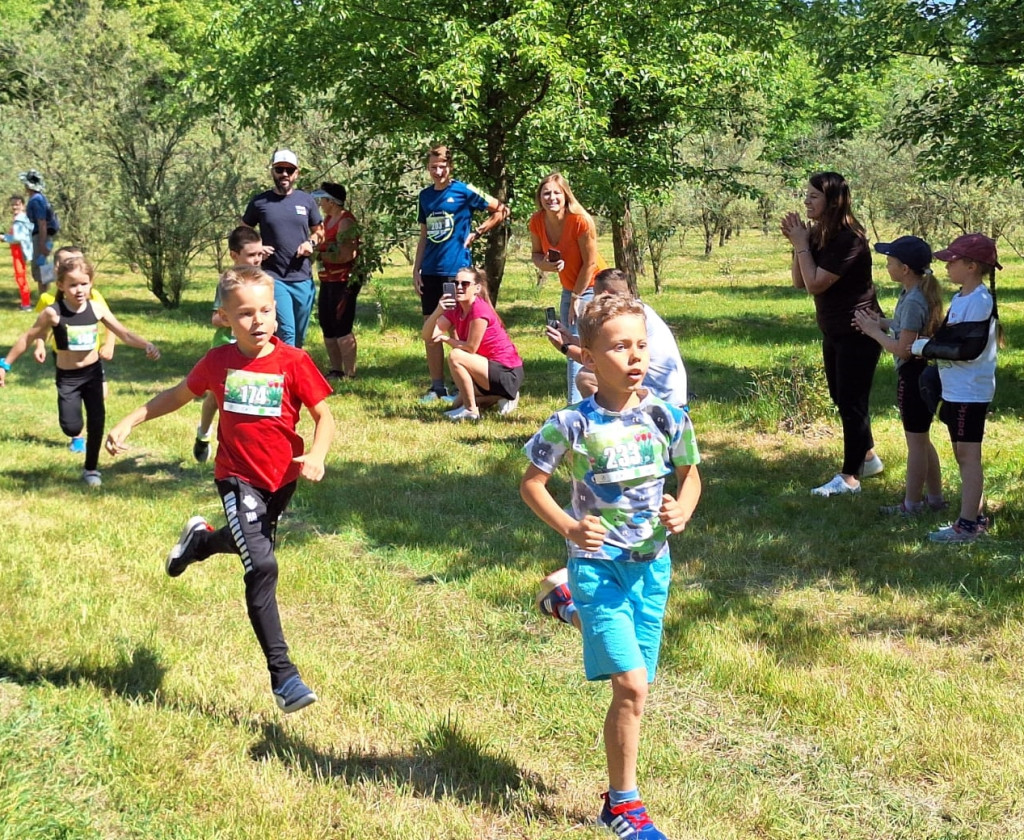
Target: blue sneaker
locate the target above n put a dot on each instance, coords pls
(77, 445)
(294, 695)
(629, 820)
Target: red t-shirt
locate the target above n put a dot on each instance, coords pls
(259, 401)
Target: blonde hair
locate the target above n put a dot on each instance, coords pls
(603, 309)
(929, 286)
(241, 276)
(572, 205)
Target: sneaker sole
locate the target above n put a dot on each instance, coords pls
(297, 705)
(179, 547)
(549, 583)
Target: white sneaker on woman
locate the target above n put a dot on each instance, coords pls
(872, 466)
(508, 406)
(836, 487)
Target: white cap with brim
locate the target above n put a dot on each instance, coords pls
(285, 156)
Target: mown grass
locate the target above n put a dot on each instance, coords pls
(826, 673)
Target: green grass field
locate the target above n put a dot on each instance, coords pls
(826, 673)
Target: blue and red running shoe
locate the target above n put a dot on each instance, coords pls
(629, 820)
(554, 597)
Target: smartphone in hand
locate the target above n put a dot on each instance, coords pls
(554, 255)
(551, 317)
(448, 289)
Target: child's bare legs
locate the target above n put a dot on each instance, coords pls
(622, 727)
(972, 480)
(923, 471)
(207, 413)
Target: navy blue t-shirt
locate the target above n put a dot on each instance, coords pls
(36, 211)
(448, 215)
(284, 222)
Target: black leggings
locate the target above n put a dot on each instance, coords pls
(850, 362)
(251, 533)
(75, 388)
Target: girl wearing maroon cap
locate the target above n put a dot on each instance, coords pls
(965, 346)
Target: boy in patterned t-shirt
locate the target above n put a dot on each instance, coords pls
(620, 443)
(261, 385)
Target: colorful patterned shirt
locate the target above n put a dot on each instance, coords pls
(618, 463)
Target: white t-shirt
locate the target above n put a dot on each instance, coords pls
(666, 376)
(973, 381)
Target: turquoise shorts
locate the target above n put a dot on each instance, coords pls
(622, 613)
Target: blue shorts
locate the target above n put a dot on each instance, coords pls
(622, 612)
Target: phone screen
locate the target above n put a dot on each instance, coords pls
(554, 255)
(448, 289)
(551, 317)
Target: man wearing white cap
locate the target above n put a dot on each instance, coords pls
(291, 227)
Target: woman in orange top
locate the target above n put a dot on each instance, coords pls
(565, 240)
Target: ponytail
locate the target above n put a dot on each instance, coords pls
(929, 287)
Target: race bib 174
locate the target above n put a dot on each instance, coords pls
(254, 393)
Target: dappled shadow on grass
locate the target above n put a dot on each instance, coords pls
(446, 762)
(137, 676)
(132, 478)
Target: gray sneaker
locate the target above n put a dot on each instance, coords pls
(182, 555)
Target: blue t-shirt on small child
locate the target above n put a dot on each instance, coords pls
(448, 216)
(618, 463)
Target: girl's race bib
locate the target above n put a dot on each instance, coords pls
(254, 393)
(82, 337)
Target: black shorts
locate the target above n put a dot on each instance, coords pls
(502, 381)
(913, 412)
(966, 421)
(336, 308)
(431, 286)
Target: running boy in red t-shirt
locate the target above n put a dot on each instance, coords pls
(260, 384)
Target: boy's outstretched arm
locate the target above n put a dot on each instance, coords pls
(163, 403)
(588, 533)
(323, 433)
(676, 511)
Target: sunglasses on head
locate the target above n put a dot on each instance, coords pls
(284, 170)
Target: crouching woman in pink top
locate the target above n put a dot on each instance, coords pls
(482, 358)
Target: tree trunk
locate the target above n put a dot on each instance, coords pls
(627, 252)
(499, 181)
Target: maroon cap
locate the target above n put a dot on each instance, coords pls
(971, 246)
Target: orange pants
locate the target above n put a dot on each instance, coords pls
(20, 276)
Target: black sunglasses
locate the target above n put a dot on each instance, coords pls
(464, 284)
(284, 170)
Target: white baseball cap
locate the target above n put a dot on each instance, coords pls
(285, 156)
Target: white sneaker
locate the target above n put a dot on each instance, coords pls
(871, 467)
(92, 478)
(508, 406)
(835, 487)
(458, 414)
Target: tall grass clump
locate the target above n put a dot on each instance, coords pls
(789, 396)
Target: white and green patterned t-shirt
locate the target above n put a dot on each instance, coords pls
(618, 463)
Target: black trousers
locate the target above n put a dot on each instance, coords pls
(850, 362)
(251, 533)
(76, 388)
